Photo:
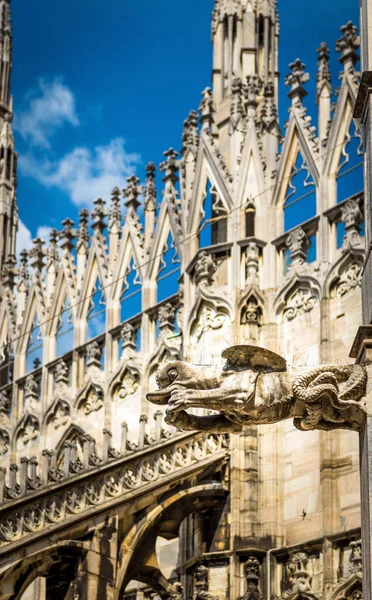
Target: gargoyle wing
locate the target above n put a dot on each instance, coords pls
(240, 358)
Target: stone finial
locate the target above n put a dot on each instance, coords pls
(356, 557)
(190, 132)
(166, 318)
(296, 80)
(177, 591)
(236, 101)
(252, 262)
(207, 109)
(298, 244)
(61, 373)
(269, 114)
(94, 354)
(205, 268)
(150, 188)
(128, 335)
(115, 212)
(67, 235)
(324, 72)
(98, 215)
(24, 274)
(52, 251)
(348, 44)
(31, 392)
(37, 254)
(300, 577)
(9, 272)
(132, 192)
(252, 576)
(83, 236)
(170, 166)
(351, 216)
(201, 577)
(251, 91)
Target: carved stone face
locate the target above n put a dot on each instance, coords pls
(178, 375)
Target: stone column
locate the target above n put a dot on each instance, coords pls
(96, 573)
(362, 352)
(362, 348)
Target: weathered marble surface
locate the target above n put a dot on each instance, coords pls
(256, 387)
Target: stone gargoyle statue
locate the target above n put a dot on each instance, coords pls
(256, 387)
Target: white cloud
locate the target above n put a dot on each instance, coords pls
(24, 236)
(50, 106)
(83, 174)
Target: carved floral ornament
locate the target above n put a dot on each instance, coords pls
(208, 319)
(301, 301)
(349, 280)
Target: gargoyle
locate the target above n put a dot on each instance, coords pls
(256, 387)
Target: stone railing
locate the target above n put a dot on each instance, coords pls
(43, 500)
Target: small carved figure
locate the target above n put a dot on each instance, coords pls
(256, 387)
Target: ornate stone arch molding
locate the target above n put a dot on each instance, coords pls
(300, 295)
(126, 380)
(26, 432)
(351, 589)
(209, 312)
(73, 435)
(345, 275)
(208, 167)
(139, 544)
(16, 579)
(252, 306)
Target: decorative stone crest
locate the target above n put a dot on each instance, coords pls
(301, 302)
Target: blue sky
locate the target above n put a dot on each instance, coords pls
(100, 89)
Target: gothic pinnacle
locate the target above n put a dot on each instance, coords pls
(150, 188)
(296, 80)
(348, 44)
(132, 192)
(170, 166)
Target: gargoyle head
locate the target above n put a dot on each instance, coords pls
(177, 375)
